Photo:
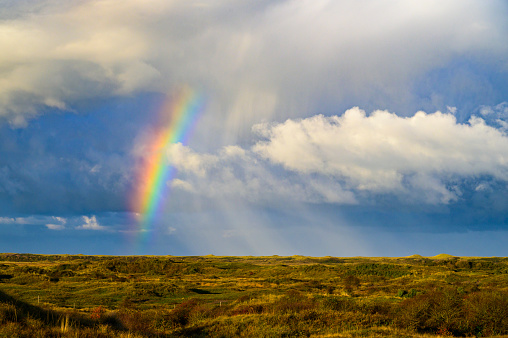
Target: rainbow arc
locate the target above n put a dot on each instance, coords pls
(177, 117)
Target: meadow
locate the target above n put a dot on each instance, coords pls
(211, 296)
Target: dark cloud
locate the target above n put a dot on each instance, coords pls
(73, 163)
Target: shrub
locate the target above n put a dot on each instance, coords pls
(412, 293)
(181, 313)
(351, 282)
(312, 284)
(247, 309)
(8, 313)
(339, 304)
(294, 301)
(407, 294)
(243, 298)
(153, 289)
(401, 293)
(486, 313)
(414, 313)
(446, 312)
(98, 313)
(135, 320)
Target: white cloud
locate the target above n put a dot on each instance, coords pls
(96, 168)
(376, 151)
(13, 220)
(338, 158)
(182, 185)
(50, 222)
(483, 187)
(183, 158)
(451, 110)
(91, 224)
(496, 116)
(55, 226)
(258, 58)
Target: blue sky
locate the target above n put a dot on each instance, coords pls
(330, 127)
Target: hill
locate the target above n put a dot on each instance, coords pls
(170, 296)
(443, 256)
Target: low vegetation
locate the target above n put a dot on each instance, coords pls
(209, 296)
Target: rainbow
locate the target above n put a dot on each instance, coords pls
(177, 117)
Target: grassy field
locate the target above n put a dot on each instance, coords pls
(210, 296)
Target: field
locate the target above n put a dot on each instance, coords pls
(210, 296)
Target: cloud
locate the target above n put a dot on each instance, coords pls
(47, 68)
(60, 226)
(237, 173)
(186, 160)
(55, 226)
(496, 116)
(63, 164)
(257, 59)
(377, 152)
(16, 220)
(50, 222)
(91, 224)
(341, 159)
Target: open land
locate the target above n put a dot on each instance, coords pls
(211, 296)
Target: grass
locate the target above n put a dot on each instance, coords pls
(211, 296)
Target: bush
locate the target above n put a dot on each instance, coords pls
(247, 309)
(8, 313)
(181, 314)
(294, 301)
(98, 313)
(401, 293)
(486, 313)
(407, 294)
(153, 289)
(414, 313)
(339, 304)
(351, 282)
(135, 320)
(447, 312)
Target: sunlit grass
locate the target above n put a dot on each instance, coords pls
(102, 296)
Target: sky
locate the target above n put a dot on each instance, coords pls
(268, 127)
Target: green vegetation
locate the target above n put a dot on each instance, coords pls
(208, 296)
